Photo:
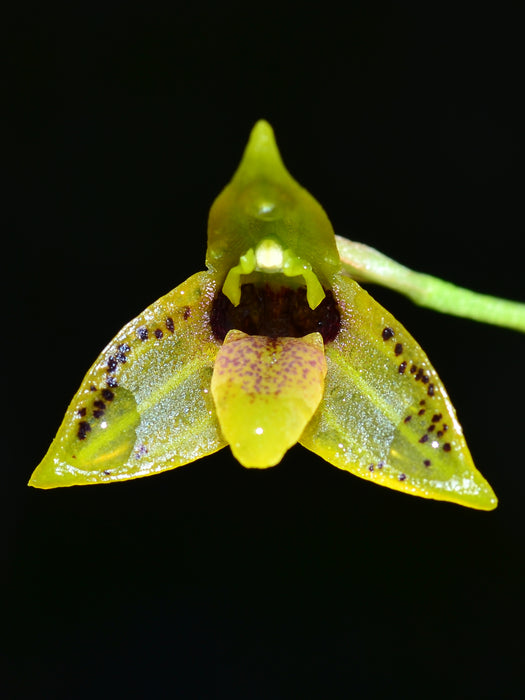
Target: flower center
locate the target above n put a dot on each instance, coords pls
(269, 258)
(275, 311)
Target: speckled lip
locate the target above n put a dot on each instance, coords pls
(265, 392)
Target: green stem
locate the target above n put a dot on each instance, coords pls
(366, 264)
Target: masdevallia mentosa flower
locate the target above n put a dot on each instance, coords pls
(273, 344)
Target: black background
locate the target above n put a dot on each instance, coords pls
(299, 581)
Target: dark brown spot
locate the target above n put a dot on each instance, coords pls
(158, 333)
(425, 379)
(186, 313)
(81, 411)
(444, 426)
(422, 402)
(413, 368)
(108, 394)
(169, 324)
(402, 367)
(124, 347)
(99, 404)
(421, 411)
(420, 374)
(112, 364)
(430, 390)
(92, 388)
(275, 312)
(83, 429)
(424, 438)
(431, 427)
(398, 349)
(106, 473)
(436, 417)
(112, 382)
(447, 447)
(98, 413)
(387, 333)
(440, 433)
(402, 477)
(121, 357)
(142, 333)
(407, 419)
(380, 464)
(371, 468)
(427, 462)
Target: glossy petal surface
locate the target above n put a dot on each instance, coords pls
(385, 414)
(145, 405)
(265, 391)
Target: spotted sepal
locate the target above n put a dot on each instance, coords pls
(145, 406)
(385, 414)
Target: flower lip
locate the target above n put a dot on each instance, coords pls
(266, 390)
(275, 311)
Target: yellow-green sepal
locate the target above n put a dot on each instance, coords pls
(263, 202)
(385, 414)
(265, 391)
(145, 405)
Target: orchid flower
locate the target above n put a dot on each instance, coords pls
(276, 343)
